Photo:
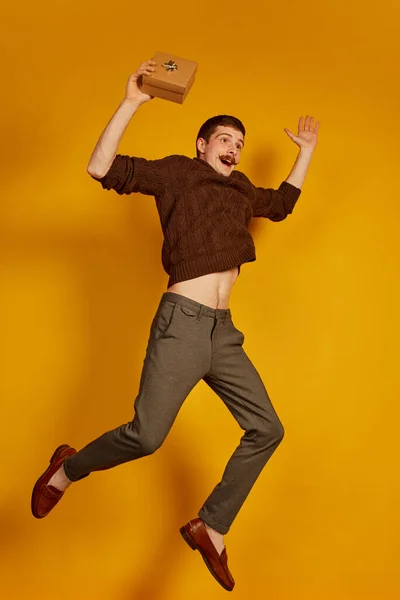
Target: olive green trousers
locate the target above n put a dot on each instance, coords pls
(189, 342)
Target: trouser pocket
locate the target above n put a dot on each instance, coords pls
(163, 319)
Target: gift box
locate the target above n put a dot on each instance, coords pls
(172, 78)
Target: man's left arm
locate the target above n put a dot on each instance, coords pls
(306, 139)
(277, 204)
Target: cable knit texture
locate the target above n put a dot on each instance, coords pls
(204, 215)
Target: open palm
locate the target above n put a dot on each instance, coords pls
(307, 136)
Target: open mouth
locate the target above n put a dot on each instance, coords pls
(228, 162)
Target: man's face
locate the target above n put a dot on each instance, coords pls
(223, 149)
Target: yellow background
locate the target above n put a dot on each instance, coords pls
(81, 280)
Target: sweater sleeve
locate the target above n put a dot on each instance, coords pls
(129, 174)
(275, 204)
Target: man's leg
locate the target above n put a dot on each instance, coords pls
(177, 357)
(234, 378)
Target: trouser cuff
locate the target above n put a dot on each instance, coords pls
(211, 523)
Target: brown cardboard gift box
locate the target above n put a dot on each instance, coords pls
(172, 78)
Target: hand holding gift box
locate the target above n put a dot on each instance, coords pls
(134, 91)
(171, 79)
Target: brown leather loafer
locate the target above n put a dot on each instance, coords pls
(195, 535)
(45, 497)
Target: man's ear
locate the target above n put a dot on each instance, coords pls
(201, 145)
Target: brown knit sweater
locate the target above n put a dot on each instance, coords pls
(204, 215)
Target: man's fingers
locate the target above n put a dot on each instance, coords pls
(148, 64)
(144, 71)
(289, 133)
(308, 124)
(143, 68)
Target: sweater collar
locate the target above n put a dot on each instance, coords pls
(202, 162)
(208, 166)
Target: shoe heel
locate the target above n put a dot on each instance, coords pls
(58, 450)
(187, 538)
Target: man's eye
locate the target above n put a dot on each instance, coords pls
(224, 139)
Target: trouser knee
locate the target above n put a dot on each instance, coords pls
(137, 441)
(149, 445)
(271, 433)
(278, 431)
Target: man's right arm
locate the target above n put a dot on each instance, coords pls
(107, 146)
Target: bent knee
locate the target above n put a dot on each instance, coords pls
(149, 445)
(271, 433)
(279, 431)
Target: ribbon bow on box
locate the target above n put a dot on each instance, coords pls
(170, 66)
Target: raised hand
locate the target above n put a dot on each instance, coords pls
(307, 136)
(133, 92)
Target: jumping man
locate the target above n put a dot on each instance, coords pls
(205, 206)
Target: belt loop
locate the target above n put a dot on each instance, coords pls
(199, 313)
(226, 312)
